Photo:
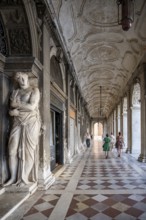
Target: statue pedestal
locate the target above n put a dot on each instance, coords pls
(31, 188)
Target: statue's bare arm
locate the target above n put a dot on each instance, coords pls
(33, 102)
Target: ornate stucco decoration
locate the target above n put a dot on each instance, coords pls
(136, 95)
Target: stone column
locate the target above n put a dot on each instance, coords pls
(77, 123)
(129, 130)
(125, 129)
(121, 117)
(117, 121)
(68, 116)
(142, 156)
(4, 90)
(45, 178)
(136, 130)
(113, 122)
(115, 128)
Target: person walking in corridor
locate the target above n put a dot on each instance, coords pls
(106, 145)
(88, 139)
(119, 143)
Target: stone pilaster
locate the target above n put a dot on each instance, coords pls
(136, 130)
(125, 129)
(142, 156)
(121, 117)
(68, 117)
(117, 121)
(129, 137)
(45, 177)
(3, 119)
(115, 128)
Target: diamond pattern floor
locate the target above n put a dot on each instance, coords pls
(95, 188)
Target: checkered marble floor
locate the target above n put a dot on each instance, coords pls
(92, 187)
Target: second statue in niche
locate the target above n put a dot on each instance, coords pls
(24, 136)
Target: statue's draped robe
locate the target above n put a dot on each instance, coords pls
(27, 127)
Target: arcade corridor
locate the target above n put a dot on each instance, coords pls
(66, 68)
(92, 187)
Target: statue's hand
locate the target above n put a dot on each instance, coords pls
(14, 104)
(14, 112)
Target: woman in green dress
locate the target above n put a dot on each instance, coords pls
(106, 145)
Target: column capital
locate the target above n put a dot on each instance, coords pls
(135, 107)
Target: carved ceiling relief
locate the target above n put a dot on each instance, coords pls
(129, 61)
(98, 13)
(141, 21)
(16, 25)
(69, 26)
(57, 5)
(102, 54)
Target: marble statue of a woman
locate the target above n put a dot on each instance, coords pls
(24, 135)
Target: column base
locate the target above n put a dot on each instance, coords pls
(44, 184)
(142, 158)
(128, 150)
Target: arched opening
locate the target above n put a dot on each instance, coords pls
(98, 131)
(136, 121)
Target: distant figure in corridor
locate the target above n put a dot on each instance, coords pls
(88, 139)
(106, 145)
(119, 143)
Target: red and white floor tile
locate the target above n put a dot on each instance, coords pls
(92, 187)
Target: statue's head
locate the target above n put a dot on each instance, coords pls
(22, 79)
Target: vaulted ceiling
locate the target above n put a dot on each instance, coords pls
(104, 56)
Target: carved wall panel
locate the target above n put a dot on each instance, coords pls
(17, 28)
(19, 41)
(56, 102)
(3, 41)
(56, 75)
